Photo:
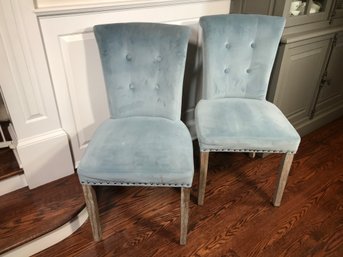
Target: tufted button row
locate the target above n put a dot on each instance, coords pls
(227, 70)
(132, 86)
(157, 59)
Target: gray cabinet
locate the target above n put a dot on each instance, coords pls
(296, 79)
(337, 13)
(300, 14)
(307, 80)
(330, 96)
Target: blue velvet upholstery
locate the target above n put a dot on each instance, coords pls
(238, 55)
(144, 142)
(139, 151)
(244, 125)
(239, 52)
(143, 66)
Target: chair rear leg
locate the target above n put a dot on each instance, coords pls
(93, 211)
(185, 195)
(285, 167)
(202, 177)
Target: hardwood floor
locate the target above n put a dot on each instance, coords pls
(27, 214)
(237, 218)
(8, 164)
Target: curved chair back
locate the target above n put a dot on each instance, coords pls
(140, 80)
(237, 59)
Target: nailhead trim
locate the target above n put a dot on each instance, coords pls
(246, 150)
(134, 184)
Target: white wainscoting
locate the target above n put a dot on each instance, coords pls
(41, 145)
(75, 65)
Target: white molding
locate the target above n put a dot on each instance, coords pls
(45, 157)
(49, 239)
(21, 64)
(42, 146)
(11, 184)
(95, 6)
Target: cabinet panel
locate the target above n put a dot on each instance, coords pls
(246, 6)
(331, 94)
(299, 77)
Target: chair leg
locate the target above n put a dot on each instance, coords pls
(285, 166)
(93, 211)
(202, 177)
(185, 195)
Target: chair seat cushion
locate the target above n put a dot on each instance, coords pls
(247, 125)
(139, 151)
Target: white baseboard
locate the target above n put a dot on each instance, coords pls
(45, 157)
(11, 184)
(49, 239)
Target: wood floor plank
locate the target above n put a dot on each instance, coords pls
(237, 218)
(27, 214)
(8, 164)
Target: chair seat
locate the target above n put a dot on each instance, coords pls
(139, 151)
(247, 125)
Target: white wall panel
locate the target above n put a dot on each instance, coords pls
(74, 60)
(85, 84)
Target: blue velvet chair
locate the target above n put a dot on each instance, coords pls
(144, 143)
(234, 116)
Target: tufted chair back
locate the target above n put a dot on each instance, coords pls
(237, 59)
(143, 74)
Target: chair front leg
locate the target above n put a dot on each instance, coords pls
(185, 195)
(202, 177)
(285, 167)
(93, 211)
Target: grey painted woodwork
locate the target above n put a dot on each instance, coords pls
(282, 8)
(307, 82)
(297, 81)
(331, 93)
(336, 17)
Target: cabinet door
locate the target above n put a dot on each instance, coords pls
(299, 12)
(247, 6)
(331, 94)
(337, 13)
(299, 76)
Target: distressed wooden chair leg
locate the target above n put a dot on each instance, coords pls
(252, 155)
(185, 195)
(93, 211)
(285, 166)
(202, 177)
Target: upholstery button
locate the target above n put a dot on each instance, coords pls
(132, 86)
(128, 57)
(253, 45)
(227, 70)
(227, 45)
(248, 70)
(158, 59)
(157, 86)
